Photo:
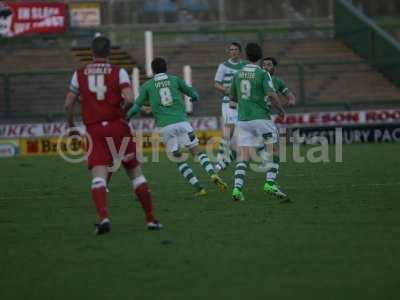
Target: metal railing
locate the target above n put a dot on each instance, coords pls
(40, 95)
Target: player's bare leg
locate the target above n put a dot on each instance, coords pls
(240, 173)
(142, 192)
(208, 167)
(99, 196)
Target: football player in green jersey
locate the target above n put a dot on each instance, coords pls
(164, 92)
(249, 89)
(223, 78)
(270, 64)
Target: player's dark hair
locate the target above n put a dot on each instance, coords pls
(253, 52)
(238, 45)
(101, 47)
(274, 61)
(159, 65)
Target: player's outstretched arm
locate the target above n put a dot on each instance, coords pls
(233, 97)
(291, 99)
(219, 77)
(270, 91)
(128, 96)
(220, 88)
(133, 111)
(139, 102)
(70, 100)
(284, 90)
(188, 90)
(276, 102)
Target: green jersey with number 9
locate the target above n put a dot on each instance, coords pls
(164, 92)
(249, 88)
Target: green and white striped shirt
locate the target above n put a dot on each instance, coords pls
(225, 73)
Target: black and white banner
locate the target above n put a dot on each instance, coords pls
(348, 135)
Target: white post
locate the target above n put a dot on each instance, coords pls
(148, 45)
(135, 81)
(187, 76)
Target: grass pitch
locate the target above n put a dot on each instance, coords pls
(340, 239)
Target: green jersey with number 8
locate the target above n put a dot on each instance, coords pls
(164, 92)
(249, 88)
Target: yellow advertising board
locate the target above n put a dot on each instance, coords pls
(85, 14)
(147, 142)
(9, 147)
(49, 146)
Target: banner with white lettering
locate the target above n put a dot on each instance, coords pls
(20, 18)
(342, 118)
(33, 130)
(198, 123)
(57, 129)
(388, 133)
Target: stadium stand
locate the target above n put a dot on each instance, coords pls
(34, 55)
(40, 72)
(333, 73)
(320, 71)
(118, 56)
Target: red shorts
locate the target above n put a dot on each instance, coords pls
(118, 134)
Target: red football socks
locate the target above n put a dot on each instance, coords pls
(144, 197)
(99, 196)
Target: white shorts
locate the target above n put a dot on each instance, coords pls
(179, 135)
(229, 115)
(256, 133)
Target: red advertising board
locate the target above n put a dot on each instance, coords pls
(21, 18)
(339, 118)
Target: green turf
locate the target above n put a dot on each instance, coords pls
(339, 240)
